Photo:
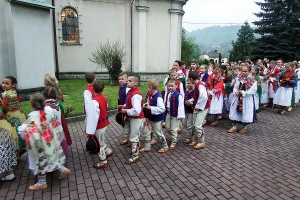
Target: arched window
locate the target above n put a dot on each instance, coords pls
(70, 29)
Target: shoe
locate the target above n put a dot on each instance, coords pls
(242, 131)
(144, 150)
(152, 142)
(163, 150)
(3, 180)
(128, 144)
(193, 143)
(172, 146)
(109, 155)
(100, 166)
(132, 160)
(63, 174)
(37, 187)
(124, 142)
(282, 112)
(289, 109)
(232, 129)
(200, 145)
(220, 117)
(213, 124)
(187, 141)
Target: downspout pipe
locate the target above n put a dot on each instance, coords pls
(131, 35)
(55, 41)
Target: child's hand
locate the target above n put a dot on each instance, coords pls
(124, 111)
(87, 135)
(188, 103)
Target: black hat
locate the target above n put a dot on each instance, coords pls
(120, 118)
(92, 145)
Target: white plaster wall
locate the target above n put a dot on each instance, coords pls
(100, 21)
(7, 52)
(33, 44)
(158, 36)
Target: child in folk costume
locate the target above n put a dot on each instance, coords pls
(154, 111)
(12, 102)
(8, 153)
(44, 150)
(50, 80)
(189, 109)
(89, 92)
(216, 92)
(287, 81)
(179, 73)
(297, 90)
(175, 111)
(236, 74)
(203, 75)
(258, 94)
(134, 117)
(272, 82)
(51, 103)
(97, 122)
(242, 109)
(201, 105)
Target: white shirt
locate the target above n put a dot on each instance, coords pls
(202, 99)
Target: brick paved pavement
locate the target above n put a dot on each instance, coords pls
(262, 164)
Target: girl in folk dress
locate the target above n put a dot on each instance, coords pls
(8, 153)
(258, 94)
(287, 81)
(44, 150)
(264, 76)
(216, 91)
(297, 90)
(273, 75)
(242, 109)
(11, 100)
(50, 80)
(51, 102)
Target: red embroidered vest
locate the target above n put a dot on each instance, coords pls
(103, 117)
(130, 94)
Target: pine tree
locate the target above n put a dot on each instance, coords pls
(244, 44)
(279, 28)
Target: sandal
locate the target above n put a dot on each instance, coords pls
(282, 112)
(242, 131)
(213, 124)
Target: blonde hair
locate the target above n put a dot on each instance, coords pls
(153, 83)
(50, 80)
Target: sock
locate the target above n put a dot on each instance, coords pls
(8, 177)
(41, 180)
(61, 169)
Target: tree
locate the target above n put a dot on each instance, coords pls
(279, 29)
(189, 49)
(109, 56)
(244, 44)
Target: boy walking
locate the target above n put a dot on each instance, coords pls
(154, 110)
(201, 106)
(175, 111)
(97, 122)
(135, 115)
(88, 93)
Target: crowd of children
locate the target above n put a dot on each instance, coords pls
(190, 98)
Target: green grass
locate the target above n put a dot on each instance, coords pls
(73, 91)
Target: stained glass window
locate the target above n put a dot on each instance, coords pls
(70, 29)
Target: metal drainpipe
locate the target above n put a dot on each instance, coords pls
(55, 41)
(131, 34)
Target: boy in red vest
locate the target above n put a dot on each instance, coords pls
(135, 115)
(88, 93)
(97, 122)
(201, 105)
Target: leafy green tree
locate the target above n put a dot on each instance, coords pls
(244, 44)
(279, 29)
(189, 49)
(109, 56)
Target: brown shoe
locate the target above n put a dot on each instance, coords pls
(289, 109)
(124, 142)
(63, 174)
(109, 155)
(100, 166)
(193, 143)
(200, 145)
(128, 144)
(232, 129)
(213, 124)
(132, 160)
(242, 131)
(144, 150)
(37, 187)
(187, 141)
(163, 150)
(172, 146)
(152, 142)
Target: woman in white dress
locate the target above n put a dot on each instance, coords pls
(242, 108)
(287, 81)
(297, 90)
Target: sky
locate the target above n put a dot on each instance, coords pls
(218, 12)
